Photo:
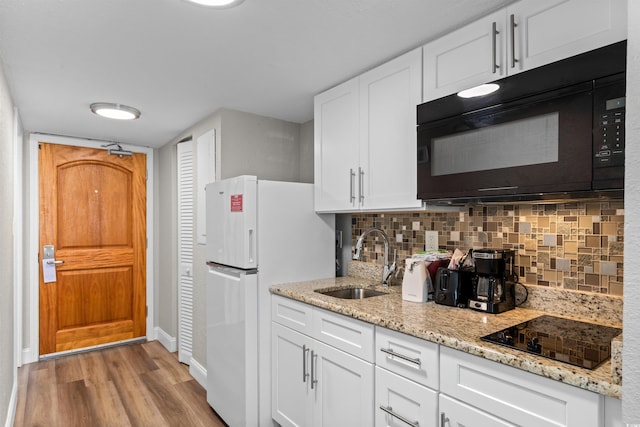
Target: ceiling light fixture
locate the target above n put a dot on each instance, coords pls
(479, 90)
(114, 111)
(220, 4)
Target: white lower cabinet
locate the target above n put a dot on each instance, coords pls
(513, 395)
(401, 402)
(454, 413)
(316, 384)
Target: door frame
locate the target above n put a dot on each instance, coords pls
(31, 353)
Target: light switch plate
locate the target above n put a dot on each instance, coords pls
(430, 240)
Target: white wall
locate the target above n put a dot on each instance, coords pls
(246, 144)
(631, 320)
(7, 350)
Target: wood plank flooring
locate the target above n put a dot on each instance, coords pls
(129, 385)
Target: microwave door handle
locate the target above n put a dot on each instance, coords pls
(513, 25)
(494, 33)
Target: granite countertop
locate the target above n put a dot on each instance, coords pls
(454, 327)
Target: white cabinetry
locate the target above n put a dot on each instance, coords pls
(365, 139)
(314, 383)
(406, 380)
(527, 34)
(512, 395)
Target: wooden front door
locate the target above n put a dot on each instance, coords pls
(93, 212)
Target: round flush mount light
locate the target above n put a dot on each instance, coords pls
(114, 111)
(220, 4)
(481, 90)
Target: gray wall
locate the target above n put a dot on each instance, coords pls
(631, 320)
(246, 144)
(7, 350)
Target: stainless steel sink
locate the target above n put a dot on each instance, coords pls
(352, 293)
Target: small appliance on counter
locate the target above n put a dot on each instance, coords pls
(494, 281)
(420, 274)
(453, 287)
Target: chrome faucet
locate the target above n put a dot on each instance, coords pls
(388, 270)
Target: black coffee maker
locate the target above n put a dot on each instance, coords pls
(494, 281)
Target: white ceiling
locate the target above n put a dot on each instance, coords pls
(178, 62)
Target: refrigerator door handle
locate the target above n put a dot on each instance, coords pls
(251, 245)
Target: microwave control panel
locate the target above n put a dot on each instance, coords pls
(609, 134)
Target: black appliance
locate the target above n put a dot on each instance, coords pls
(553, 132)
(494, 281)
(453, 287)
(571, 341)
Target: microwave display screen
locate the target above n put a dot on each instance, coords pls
(528, 141)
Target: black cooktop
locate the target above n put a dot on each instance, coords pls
(579, 343)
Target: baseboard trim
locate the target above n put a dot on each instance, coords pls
(13, 404)
(169, 342)
(198, 372)
(28, 356)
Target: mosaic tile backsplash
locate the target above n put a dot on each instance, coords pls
(573, 246)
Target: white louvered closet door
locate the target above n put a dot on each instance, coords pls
(185, 250)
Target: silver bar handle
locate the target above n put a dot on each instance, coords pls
(498, 188)
(513, 25)
(389, 410)
(392, 353)
(494, 33)
(53, 262)
(361, 184)
(305, 375)
(352, 178)
(314, 381)
(443, 419)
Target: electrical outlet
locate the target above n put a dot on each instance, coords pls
(430, 240)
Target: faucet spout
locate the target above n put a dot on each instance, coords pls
(388, 269)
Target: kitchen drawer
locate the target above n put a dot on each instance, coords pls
(291, 313)
(408, 356)
(345, 333)
(519, 397)
(403, 399)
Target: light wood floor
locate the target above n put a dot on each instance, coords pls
(129, 385)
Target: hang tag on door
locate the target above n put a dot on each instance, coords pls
(48, 270)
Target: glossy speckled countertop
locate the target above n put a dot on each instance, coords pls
(453, 327)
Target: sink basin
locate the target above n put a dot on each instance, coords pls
(352, 293)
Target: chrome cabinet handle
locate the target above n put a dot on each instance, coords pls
(361, 184)
(352, 178)
(314, 381)
(443, 419)
(392, 353)
(389, 410)
(53, 262)
(305, 375)
(513, 25)
(494, 33)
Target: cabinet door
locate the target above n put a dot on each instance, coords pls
(389, 95)
(343, 393)
(291, 403)
(551, 30)
(465, 57)
(400, 402)
(336, 119)
(454, 413)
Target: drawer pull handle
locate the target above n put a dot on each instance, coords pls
(401, 356)
(389, 410)
(305, 375)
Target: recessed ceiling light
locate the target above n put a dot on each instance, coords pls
(114, 111)
(217, 3)
(479, 90)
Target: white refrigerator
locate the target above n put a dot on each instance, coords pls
(259, 233)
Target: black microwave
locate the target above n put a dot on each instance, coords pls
(554, 132)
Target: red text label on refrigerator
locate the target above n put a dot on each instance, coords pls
(236, 203)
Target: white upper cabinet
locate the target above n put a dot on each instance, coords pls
(526, 35)
(365, 139)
